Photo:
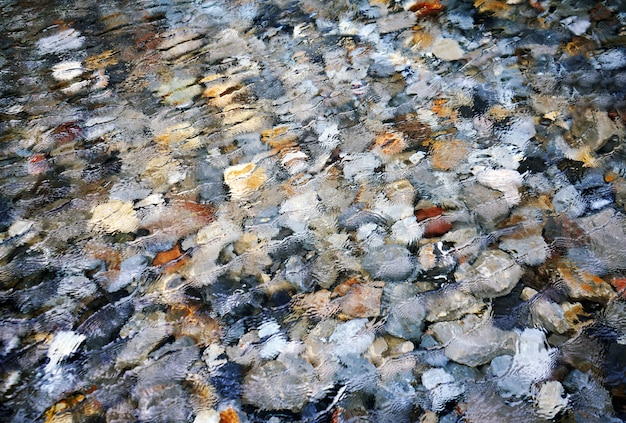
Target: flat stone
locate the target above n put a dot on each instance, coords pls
(450, 304)
(568, 200)
(243, 179)
(362, 300)
(533, 361)
(493, 274)
(446, 155)
(444, 332)
(137, 349)
(279, 386)
(550, 315)
(360, 166)
(406, 319)
(551, 399)
(479, 344)
(114, 216)
(500, 365)
(447, 49)
(407, 231)
(352, 338)
(507, 181)
(396, 22)
(606, 231)
(581, 285)
(434, 377)
(390, 263)
(531, 250)
(400, 192)
(489, 204)
(442, 387)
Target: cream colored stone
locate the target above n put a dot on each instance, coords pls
(114, 216)
(66, 71)
(528, 293)
(447, 49)
(207, 416)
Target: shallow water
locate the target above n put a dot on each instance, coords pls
(344, 211)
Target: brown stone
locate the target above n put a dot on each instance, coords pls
(426, 8)
(165, 257)
(582, 285)
(434, 225)
(391, 143)
(362, 300)
(446, 155)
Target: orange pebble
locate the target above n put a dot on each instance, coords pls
(426, 8)
(610, 177)
(229, 416)
(165, 257)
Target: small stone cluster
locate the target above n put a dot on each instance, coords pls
(276, 211)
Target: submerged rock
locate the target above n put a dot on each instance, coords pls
(533, 362)
(473, 342)
(493, 274)
(390, 263)
(442, 387)
(551, 399)
(406, 319)
(293, 385)
(239, 211)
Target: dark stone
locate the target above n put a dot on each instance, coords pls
(227, 380)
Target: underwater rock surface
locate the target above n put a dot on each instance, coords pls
(276, 211)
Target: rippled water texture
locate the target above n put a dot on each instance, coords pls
(340, 211)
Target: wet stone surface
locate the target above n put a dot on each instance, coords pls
(280, 211)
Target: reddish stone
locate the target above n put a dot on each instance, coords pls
(362, 300)
(436, 227)
(201, 213)
(426, 8)
(620, 286)
(342, 288)
(424, 214)
(537, 6)
(435, 224)
(37, 158)
(37, 164)
(66, 132)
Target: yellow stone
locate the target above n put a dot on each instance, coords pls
(243, 179)
(176, 133)
(278, 137)
(446, 155)
(102, 60)
(391, 142)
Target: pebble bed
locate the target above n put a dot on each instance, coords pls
(303, 211)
